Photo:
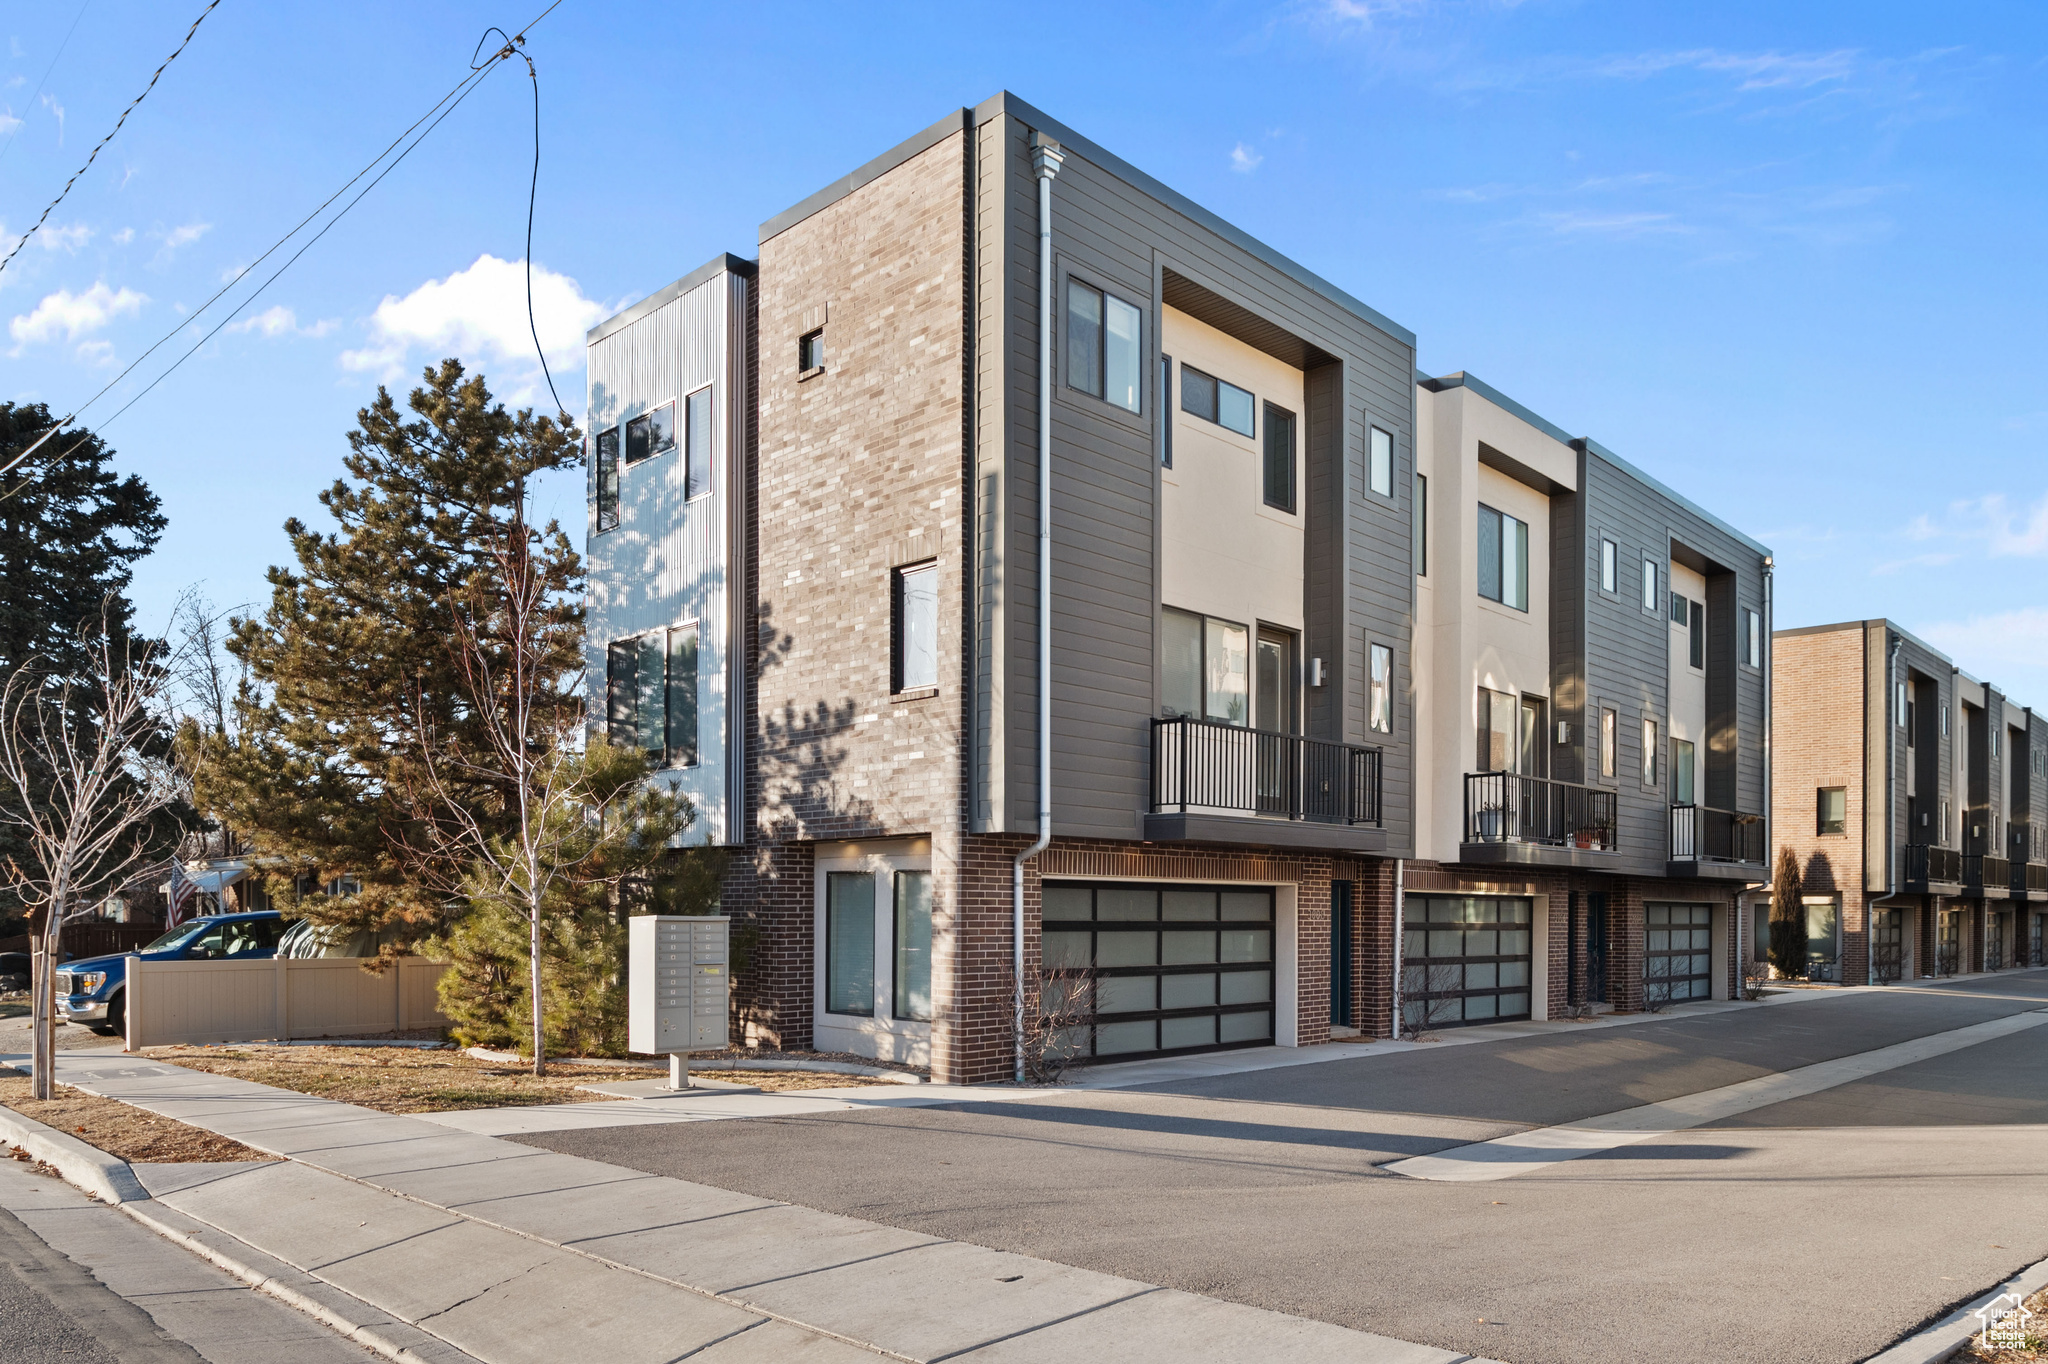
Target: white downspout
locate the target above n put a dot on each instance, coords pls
(1046, 157)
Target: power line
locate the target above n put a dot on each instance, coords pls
(532, 190)
(456, 95)
(110, 136)
(46, 75)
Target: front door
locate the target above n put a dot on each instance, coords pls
(1998, 931)
(1888, 946)
(1273, 712)
(1596, 948)
(1948, 943)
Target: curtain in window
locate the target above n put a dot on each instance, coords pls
(850, 943)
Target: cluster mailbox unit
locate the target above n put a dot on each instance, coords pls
(677, 976)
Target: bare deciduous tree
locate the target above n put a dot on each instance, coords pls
(1058, 1009)
(1430, 999)
(83, 777)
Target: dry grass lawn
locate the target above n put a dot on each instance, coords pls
(415, 1080)
(122, 1131)
(2037, 1339)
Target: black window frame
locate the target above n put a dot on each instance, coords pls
(605, 454)
(1499, 594)
(1280, 429)
(1166, 406)
(650, 448)
(899, 578)
(1214, 386)
(1098, 372)
(1421, 533)
(680, 694)
(1696, 634)
(810, 353)
(1821, 822)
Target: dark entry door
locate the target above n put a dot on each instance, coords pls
(1340, 954)
(1888, 946)
(1948, 943)
(1596, 948)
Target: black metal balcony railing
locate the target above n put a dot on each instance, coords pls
(1981, 870)
(1206, 765)
(1504, 807)
(1700, 833)
(1925, 863)
(2037, 876)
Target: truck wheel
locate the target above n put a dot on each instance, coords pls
(117, 1016)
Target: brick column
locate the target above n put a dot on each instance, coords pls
(971, 957)
(1625, 945)
(768, 892)
(1373, 948)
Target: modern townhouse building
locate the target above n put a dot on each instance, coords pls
(1910, 793)
(1025, 569)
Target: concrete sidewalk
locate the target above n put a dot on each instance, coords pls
(512, 1254)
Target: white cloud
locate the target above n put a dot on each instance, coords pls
(1989, 525)
(54, 238)
(1244, 160)
(96, 352)
(2010, 647)
(50, 103)
(123, 237)
(184, 236)
(1580, 223)
(73, 315)
(479, 315)
(282, 321)
(8, 122)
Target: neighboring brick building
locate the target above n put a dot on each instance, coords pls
(1908, 791)
(815, 594)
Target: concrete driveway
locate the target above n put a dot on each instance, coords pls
(1819, 1228)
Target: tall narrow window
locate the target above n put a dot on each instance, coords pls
(1166, 406)
(1649, 752)
(1754, 624)
(607, 444)
(1273, 682)
(1899, 709)
(1226, 667)
(1609, 556)
(1682, 754)
(1102, 346)
(1499, 715)
(1696, 629)
(651, 696)
(621, 683)
(699, 439)
(1503, 558)
(1678, 612)
(1213, 399)
(1649, 585)
(913, 938)
(916, 661)
(681, 694)
(1180, 664)
(1608, 736)
(1380, 698)
(810, 354)
(1422, 525)
(1833, 812)
(850, 943)
(1279, 481)
(1382, 462)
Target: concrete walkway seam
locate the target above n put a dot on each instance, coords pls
(105, 1177)
(362, 1334)
(1953, 1331)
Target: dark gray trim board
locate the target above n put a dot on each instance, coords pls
(1242, 831)
(1540, 855)
(724, 263)
(1747, 872)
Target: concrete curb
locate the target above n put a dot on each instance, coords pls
(700, 1065)
(389, 1337)
(105, 1177)
(1953, 1331)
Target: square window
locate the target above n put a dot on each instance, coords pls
(1103, 346)
(607, 446)
(915, 665)
(1381, 458)
(1279, 463)
(1833, 803)
(1503, 558)
(1380, 701)
(700, 438)
(850, 943)
(810, 353)
(1609, 565)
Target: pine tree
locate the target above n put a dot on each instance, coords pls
(1788, 917)
(71, 531)
(352, 668)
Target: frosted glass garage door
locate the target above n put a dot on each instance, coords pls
(1464, 959)
(1678, 953)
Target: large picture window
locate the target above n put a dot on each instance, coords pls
(651, 695)
(914, 665)
(1503, 558)
(607, 448)
(912, 971)
(1217, 400)
(1279, 462)
(1206, 667)
(1103, 352)
(850, 943)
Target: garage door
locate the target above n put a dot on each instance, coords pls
(1176, 968)
(1464, 959)
(1678, 953)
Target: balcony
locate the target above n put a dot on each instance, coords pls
(1718, 844)
(1538, 822)
(1232, 784)
(1933, 871)
(1986, 876)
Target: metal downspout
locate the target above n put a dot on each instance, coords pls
(1893, 724)
(1748, 947)
(1400, 909)
(1046, 157)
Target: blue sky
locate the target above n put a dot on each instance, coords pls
(1786, 258)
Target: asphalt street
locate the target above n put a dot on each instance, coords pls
(1820, 1228)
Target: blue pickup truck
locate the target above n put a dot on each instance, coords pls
(93, 991)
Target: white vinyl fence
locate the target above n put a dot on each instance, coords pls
(282, 999)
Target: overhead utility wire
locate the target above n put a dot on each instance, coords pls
(458, 94)
(46, 76)
(532, 190)
(110, 136)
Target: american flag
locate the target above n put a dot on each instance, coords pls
(183, 888)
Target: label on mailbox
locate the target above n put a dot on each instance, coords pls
(678, 982)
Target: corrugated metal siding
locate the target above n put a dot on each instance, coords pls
(665, 564)
(1106, 490)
